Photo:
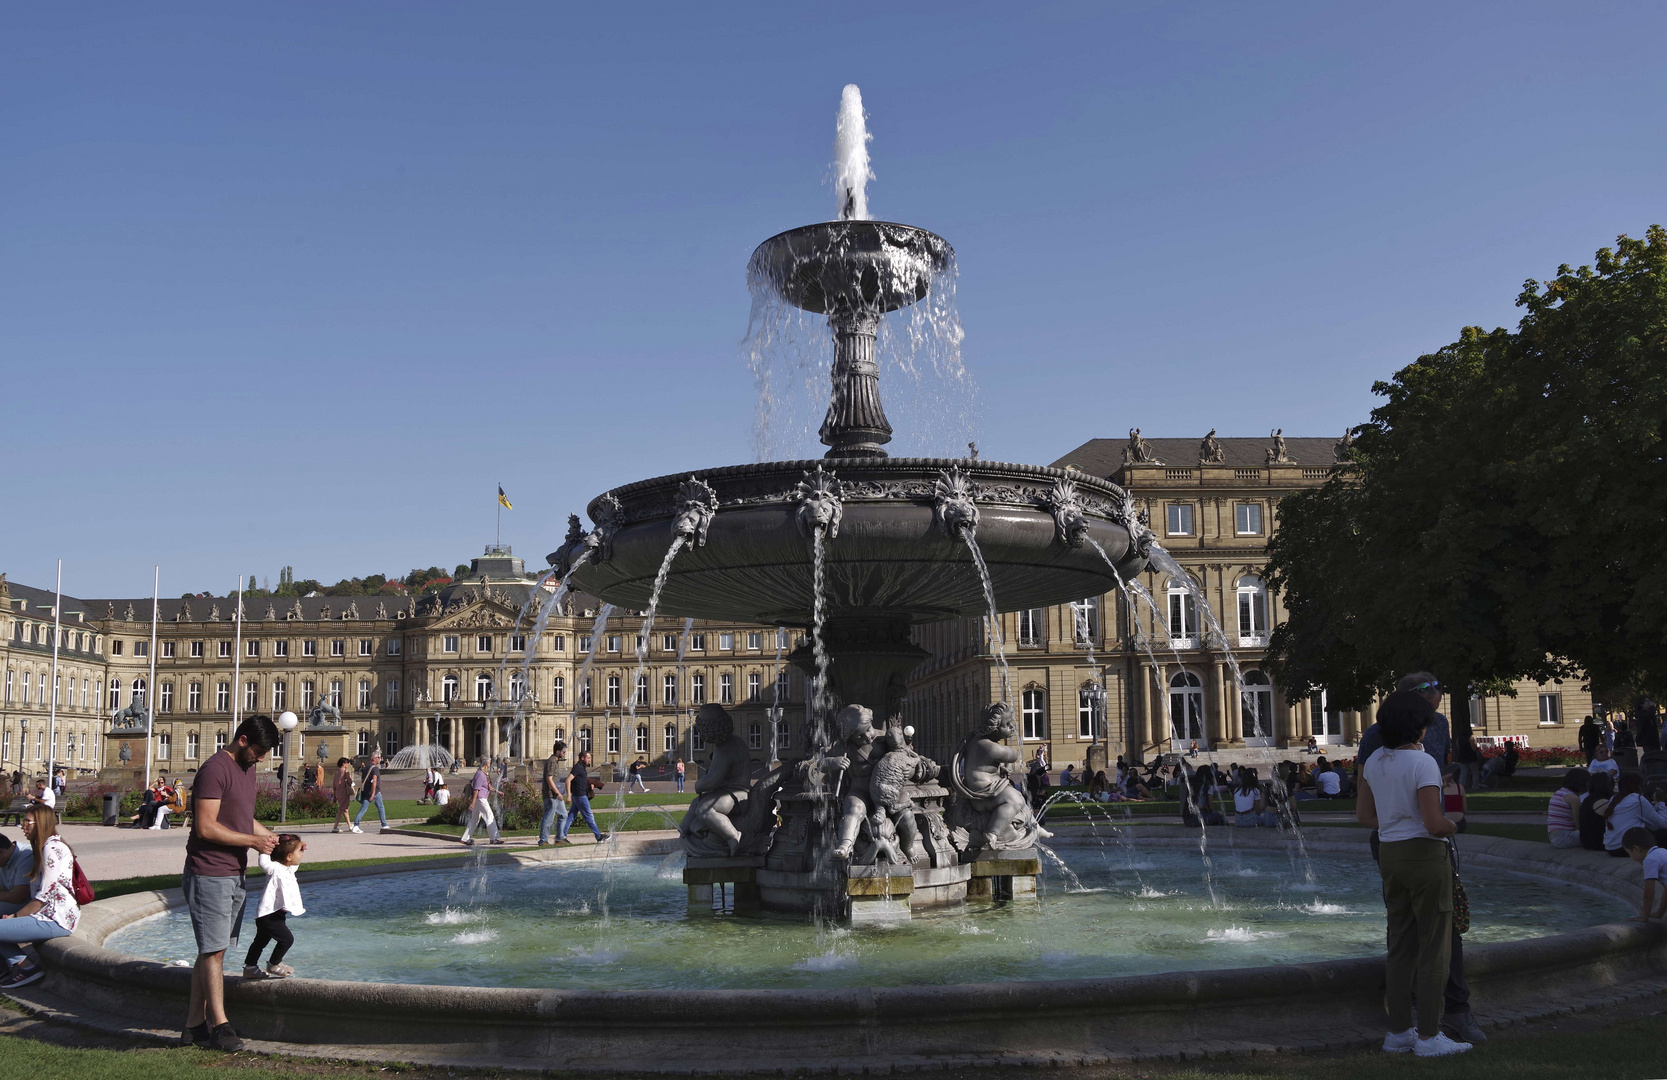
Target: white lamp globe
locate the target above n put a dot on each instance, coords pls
(287, 721)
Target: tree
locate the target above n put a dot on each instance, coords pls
(1499, 519)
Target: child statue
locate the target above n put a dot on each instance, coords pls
(709, 826)
(991, 814)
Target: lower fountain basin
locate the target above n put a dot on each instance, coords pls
(890, 558)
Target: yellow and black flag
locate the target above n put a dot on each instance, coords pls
(503, 499)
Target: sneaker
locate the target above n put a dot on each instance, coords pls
(1439, 1046)
(383, 829)
(279, 971)
(338, 828)
(355, 828)
(468, 843)
(1401, 1042)
(253, 971)
(224, 1038)
(542, 843)
(22, 976)
(565, 840)
(195, 1036)
(499, 841)
(1462, 1027)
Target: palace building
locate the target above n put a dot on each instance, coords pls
(1095, 678)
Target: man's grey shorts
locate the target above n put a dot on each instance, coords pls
(216, 906)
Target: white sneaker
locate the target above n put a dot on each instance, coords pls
(356, 829)
(1439, 1046)
(1400, 1042)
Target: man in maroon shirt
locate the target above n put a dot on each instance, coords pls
(223, 830)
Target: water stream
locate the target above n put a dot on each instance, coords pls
(992, 621)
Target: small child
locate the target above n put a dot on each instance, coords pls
(1639, 843)
(281, 899)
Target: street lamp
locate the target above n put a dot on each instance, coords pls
(286, 724)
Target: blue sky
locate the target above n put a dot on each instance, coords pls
(301, 284)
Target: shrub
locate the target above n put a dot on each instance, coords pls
(302, 804)
(519, 805)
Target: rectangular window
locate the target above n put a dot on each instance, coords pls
(1088, 712)
(781, 688)
(166, 704)
(8, 686)
(1247, 519)
(194, 697)
(613, 642)
(668, 642)
(223, 697)
(309, 648)
(613, 690)
(251, 648)
(755, 640)
(1031, 621)
(1085, 615)
(642, 689)
(640, 644)
(164, 746)
(364, 743)
(280, 649)
(225, 649)
(364, 695)
(668, 690)
(1180, 519)
(197, 650)
(755, 685)
(393, 694)
(613, 739)
(697, 688)
(755, 736)
(336, 693)
(1034, 722)
(280, 695)
(6, 745)
(390, 743)
(639, 741)
(726, 689)
(586, 644)
(784, 737)
(192, 741)
(697, 642)
(585, 697)
(1551, 708)
(670, 742)
(517, 643)
(251, 696)
(1183, 615)
(558, 691)
(483, 643)
(558, 643)
(141, 648)
(726, 642)
(781, 638)
(367, 646)
(219, 741)
(308, 691)
(394, 645)
(449, 643)
(115, 643)
(338, 646)
(1253, 613)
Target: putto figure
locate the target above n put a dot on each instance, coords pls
(721, 815)
(990, 813)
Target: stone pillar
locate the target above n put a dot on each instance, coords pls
(856, 424)
(1224, 728)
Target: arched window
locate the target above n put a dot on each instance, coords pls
(517, 686)
(1090, 710)
(613, 738)
(1186, 706)
(1253, 611)
(1085, 616)
(448, 688)
(1032, 713)
(670, 743)
(1183, 615)
(640, 743)
(483, 687)
(115, 692)
(642, 689)
(584, 740)
(1258, 708)
(138, 690)
(784, 735)
(558, 691)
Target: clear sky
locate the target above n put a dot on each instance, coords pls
(300, 284)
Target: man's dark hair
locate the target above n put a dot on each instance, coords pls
(559, 747)
(1637, 837)
(1403, 716)
(1576, 780)
(260, 731)
(1601, 785)
(1420, 681)
(5, 842)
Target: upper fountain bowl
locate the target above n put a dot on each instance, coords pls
(850, 266)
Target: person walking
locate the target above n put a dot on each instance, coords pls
(1400, 797)
(578, 795)
(371, 792)
(637, 782)
(280, 900)
(680, 768)
(223, 829)
(555, 808)
(343, 792)
(480, 807)
(51, 910)
(1590, 737)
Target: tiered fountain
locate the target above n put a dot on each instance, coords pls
(856, 548)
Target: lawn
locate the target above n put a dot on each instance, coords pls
(1626, 1050)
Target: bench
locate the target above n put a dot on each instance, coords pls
(13, 813)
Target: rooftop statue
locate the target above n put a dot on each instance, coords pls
(1139, 451)
(1210, 451)
(1276, 452)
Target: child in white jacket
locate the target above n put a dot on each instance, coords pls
(281, 899)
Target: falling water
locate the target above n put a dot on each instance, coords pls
(580, 681)
(993, 619)
(646, 637)
(1158, 620)
(775, 700)
(819, 690)
(1144, 639)
(851, 170)
(1165, 562)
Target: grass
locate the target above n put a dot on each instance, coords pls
(401, 808)
(123, 886)
(1630, 1049)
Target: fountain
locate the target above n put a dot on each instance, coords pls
(855, 549)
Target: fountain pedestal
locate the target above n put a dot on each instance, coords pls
(1004, 875)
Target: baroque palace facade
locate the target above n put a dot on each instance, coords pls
(1095, 678)
(393, 671)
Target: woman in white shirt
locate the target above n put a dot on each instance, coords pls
(52, 911)
(1400, 796)
(1627, 810)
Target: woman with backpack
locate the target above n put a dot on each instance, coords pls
(54, 906)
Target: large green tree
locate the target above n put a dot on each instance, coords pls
(1505, 508)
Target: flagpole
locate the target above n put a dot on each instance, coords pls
(52, 713)
(150, 713)
(500, 506)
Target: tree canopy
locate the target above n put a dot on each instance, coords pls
(1503, 512)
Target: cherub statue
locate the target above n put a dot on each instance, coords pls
(991, 814)
(854, 773)
(709, 826)
(890, 804)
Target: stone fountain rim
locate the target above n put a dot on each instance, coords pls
(944, 259)
(974, 467)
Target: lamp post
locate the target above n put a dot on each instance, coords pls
(1096, 717)
(286, 724)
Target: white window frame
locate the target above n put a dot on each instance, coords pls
(367, 646)
(1555, 702)
(193, 744)
(365, 689)
(613, 691)
(1032, 623)
(483, 643)
(755, 686)
(1242, 513)
(639, 739)
(1033, 714)
(225, 650)
(1181, 608)
(309, 648)
(395, 645)
(1252, 596)
(726, 689)
(280, 649)
(697, 688)
(755, 736)
(1179, 519)
(194, 697)
(196, 650)
(558, 691)
(668, 689)
(670, 740)
(726, 642)
(448, 643)
(338, 647)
